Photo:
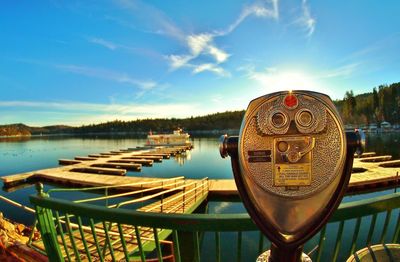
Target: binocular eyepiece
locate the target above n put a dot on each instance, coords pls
(292, 162)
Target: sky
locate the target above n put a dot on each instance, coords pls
(84, 62)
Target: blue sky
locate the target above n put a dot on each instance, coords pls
(83, 62)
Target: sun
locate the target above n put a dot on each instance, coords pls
(287, 80)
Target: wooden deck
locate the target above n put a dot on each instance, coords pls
(107, 166)
(369, 171)
(185, 198)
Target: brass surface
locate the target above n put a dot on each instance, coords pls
(308, 153)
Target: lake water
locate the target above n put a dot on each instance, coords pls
(23, 155)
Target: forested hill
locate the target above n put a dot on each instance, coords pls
(382, 104)
(217, 121)
(14, 130)
(24, 130)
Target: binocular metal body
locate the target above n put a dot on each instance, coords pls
(292, 162)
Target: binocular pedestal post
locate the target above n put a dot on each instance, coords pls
(286, 254)
(281, 252)
(292, 163)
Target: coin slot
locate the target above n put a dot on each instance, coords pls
(283, 146)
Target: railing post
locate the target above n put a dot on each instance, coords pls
(106, 194)
(47, 228)
(184, 195)
(141, 193)
(162, 198)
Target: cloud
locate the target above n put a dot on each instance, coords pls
(211, 68)
(177, 61)
(342, 71)
(373, 51)
(102, 42)
(153, 17)
(108, 75)
(307, 21)
(203, 44)
(197, 45)
(78, 113)
(258, 10)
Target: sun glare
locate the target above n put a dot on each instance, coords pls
(290, 81)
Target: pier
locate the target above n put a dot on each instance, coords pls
(369, 172)
(177, 195)
(170, 196)
(109, 168)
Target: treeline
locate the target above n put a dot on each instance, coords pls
(217, 121)
(382, 104)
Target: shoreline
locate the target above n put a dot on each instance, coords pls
(193, 133)
(14, 237)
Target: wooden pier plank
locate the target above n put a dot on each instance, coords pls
(144, 162)
(376, 158)
(85, 158)
(68, 161)
(154, 158)
(125, 166)
(100, 170)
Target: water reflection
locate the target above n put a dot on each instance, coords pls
(384, 144)
(15, 139)
(182, 158)
(24, 154)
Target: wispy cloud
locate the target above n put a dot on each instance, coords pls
(212, 68)
(108, 75)
(69, 111)
(102, 42)
(153, 17)
(342, 71)
(268, 9)
(374, 49)
(199, 45)
(204, 44)
(111, 45)
(306, 20)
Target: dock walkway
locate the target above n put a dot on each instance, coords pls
(176, 196)
(107, 168)
(369, 171)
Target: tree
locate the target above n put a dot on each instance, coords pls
(349, 106)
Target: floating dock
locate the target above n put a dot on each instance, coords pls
(369, 172)
(109, 168)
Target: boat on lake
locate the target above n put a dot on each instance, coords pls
(177, 138)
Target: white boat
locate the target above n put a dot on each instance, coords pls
(177, 138)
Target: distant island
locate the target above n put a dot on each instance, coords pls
(382, 105)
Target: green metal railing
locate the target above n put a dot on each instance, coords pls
(202, 237)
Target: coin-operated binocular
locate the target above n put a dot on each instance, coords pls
(291, 162)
